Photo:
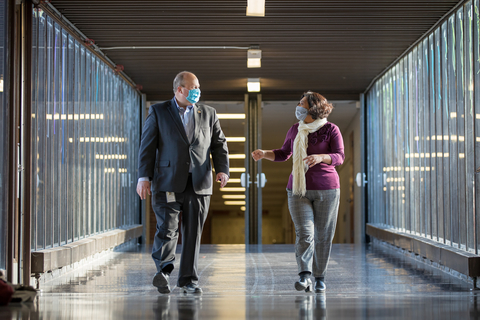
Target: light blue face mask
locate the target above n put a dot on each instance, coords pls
(193, 96)
(301, 113)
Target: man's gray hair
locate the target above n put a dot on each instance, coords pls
(178, 81)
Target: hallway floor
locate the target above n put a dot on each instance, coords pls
(363, 282)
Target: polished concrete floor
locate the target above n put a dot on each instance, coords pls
(363, 282)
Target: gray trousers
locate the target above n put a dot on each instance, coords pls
(194, 210)
(315, 219)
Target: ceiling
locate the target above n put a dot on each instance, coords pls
(334, 47)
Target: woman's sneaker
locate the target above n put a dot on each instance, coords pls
(319, 286)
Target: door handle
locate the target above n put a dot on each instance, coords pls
(477, 171)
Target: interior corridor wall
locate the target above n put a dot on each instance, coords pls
(423, 136)
(85, 137)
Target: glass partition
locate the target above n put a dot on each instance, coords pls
(86, 127)
(424, 135)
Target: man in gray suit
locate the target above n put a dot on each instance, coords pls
(174, 167)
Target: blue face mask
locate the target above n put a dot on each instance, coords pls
(301, 113)
(193, 96)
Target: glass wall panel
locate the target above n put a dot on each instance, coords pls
(476, 89)
(419, 153)
(49, 164)
(438, 167)
(458, 137)
(86, 131)
(76, 178)
(410, 107)
(425, 140)
(35, 49)
(469, 130)
(56, 134)
(450, 132)
(83, 213)
(445, 134)
(88, 145)
(395, 150)
(431, 114)
(401, 143)
(381, 156)
(70, 137)
(423, 136)
(387, 148)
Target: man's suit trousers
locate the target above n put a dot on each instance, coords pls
(194, 210)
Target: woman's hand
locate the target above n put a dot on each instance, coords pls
(258, 154)
(314, 159)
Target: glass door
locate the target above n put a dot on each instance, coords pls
(253, 180)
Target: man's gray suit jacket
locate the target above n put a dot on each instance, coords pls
(165, 152)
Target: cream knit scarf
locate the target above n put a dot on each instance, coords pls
(300, 152)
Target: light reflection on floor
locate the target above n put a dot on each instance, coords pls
(363, 282)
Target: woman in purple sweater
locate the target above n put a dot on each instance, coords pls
(313, 187)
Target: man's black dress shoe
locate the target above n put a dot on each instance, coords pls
(319, 286)
(160, 280)
(191, 288)
(304, 283)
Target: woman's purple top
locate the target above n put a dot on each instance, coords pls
(327, 140)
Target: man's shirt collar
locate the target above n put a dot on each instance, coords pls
(178, 107)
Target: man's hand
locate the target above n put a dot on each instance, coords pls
(143, 187)
(223, 178)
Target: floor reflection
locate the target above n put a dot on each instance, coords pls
(184, 307)
(256, 283)
(308, 306)
(311, 307)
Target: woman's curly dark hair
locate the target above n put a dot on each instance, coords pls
(319, 106)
